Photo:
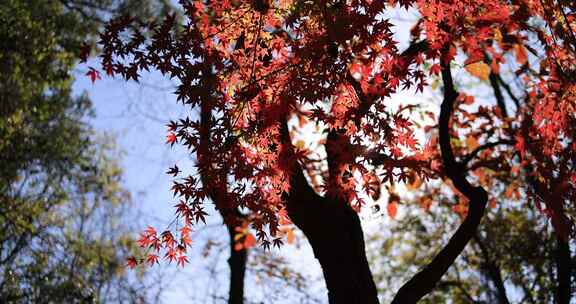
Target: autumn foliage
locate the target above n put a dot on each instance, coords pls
(260, 72)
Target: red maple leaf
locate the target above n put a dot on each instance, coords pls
(171, 138)
(249, 241)
(93, 74)
(182, 260)
(131, 262)
(171, 255)
(144, 240)
(247, 82)
(152, 259)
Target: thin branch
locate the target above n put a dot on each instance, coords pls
(457, 285)
(424, 281)
(379, 159)
(493, 270)
(498, 93)
(470, 156)
(509, 91)
(79, 10)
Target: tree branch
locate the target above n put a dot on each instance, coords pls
(424, 281)
(470, 156)
(498, 93)
(367, 100)
(509, 91)
(493, 270)
(563, 261)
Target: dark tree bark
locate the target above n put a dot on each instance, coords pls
(333, 229)
(490, 266)
(563, 271)
(498, 93)
(561, 253)
(237, 262)
(424, 281)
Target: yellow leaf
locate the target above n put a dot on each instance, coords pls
(498, 35)
(478, 69)
(435, 84)
(300, 144)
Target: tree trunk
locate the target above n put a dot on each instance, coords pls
(563, 271)
(237, 263)
(333, 229)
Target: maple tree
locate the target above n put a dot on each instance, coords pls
(260, 71)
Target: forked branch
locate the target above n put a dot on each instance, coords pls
(424, 281)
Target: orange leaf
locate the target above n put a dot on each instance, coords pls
(510, 191)
(152, 259)
(425, 203)
(392, 209)
(414, 183)
(521, 55)
(478, 69)
(493, 203)
(472, 143)
(182, 260)
(290, 236)
(249, 241)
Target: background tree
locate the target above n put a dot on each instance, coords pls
(257, 65)
(62, 206)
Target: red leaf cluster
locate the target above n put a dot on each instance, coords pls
(252, 65)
